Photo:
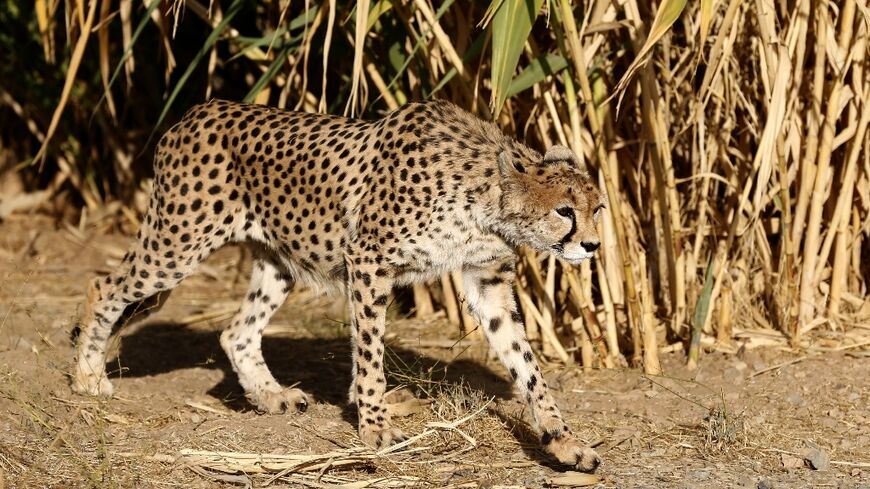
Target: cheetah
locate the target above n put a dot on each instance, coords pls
(359, 206)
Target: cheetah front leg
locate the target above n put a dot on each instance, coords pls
(490, 299)
(368, 289)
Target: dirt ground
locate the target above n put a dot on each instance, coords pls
(734, 422)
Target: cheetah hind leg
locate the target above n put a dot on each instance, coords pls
(112, 302)
(242, 340)
(156, 263)
(91, 337)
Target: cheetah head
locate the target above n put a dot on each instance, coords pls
(551, 205)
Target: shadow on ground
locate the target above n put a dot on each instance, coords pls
(321, 366)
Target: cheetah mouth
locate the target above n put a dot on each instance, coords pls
(577, 258)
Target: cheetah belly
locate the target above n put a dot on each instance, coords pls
(312, 260)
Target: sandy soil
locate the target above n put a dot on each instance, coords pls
(734, 422)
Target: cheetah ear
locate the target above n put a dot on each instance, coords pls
(507, 166)
(559, 153)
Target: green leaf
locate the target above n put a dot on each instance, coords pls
(203, 51)
(706, 19)
(276, 38)
(396, 55)
(490, 13)
(700, 315)
(379, 9)
(441, 11)
(146, 19)
(511, 26)
(669, 11)
(267, 76)
(539, 69)
(250, 44)
(473, 50)
(305, 18)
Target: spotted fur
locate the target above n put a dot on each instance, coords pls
(365, 206)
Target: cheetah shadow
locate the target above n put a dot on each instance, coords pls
(320, 367)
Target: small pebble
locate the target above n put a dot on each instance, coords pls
(746, 482)
(795, 398)
(765, 484)
(818, 459)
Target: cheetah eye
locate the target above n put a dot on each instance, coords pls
(565, 211)
(597, 212)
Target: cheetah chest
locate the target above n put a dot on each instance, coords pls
(425, 259)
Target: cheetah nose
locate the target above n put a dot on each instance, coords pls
(590, 246)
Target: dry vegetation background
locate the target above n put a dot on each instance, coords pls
(730, 135)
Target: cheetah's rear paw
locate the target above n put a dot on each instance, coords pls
(381, 436)
(277, 402)
(91, 384)
(569, 452)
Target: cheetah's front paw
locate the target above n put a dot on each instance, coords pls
(569, 452)
(381, 436)
(277, 402)
(92, 384)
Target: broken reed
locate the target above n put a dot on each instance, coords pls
(736, 168)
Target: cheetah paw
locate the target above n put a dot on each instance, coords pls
(568, 452)
(90, 384)
(381, 436)
(278, 402)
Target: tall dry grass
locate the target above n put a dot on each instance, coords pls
(731, 137)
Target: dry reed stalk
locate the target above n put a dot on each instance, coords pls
(651, 364)
(814, 122)
(544, 312)
(72, 71)
(262, 463)
(606, 164)
(469, 324)
(103, 38)
(549, 335)
(574, 118)
(609, 313)
(656, 130)
(381, 85)
(451, 303)
(786, 265)
(723, 327)
(554, 115)
(362, 22)
(521, 287)
(841, 219)
(577, 292)
(590, 322)
(218, 314)
(821, 190)
(587, 352)
(547, 303)
(327, 41)
(307, 39)
(422, 301)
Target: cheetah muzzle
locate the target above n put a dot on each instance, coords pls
(359, 206)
